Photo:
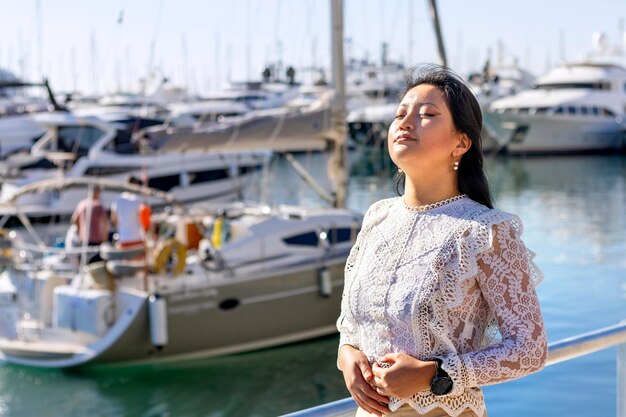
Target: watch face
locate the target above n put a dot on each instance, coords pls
(441, 386)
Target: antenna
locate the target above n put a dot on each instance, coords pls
(185, 71)
(129, 81)
(153, 45)
(39, 40)
(94, 63)
(408, 30)
(248, 49)
(218, 65)
(73, 64)
(229, 61)
(21, 60)
(500, 59)
(562, 45)
(622, 34)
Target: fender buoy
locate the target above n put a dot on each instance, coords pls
(164, 251)
(325, 282)
(157, 312)
(216, 236)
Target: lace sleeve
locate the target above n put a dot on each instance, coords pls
(346, 324)
(348, 334)
(505, 281)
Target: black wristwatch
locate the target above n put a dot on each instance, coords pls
(441, 383)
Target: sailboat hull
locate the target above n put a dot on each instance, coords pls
(231, 317)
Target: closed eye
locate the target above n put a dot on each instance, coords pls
(426, 115)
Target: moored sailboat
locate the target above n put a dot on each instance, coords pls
(213, 282)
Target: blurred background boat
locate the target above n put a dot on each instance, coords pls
(576, 107)
(78, 147)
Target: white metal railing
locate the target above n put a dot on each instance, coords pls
(560, 351)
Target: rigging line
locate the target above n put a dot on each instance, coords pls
(399, 13)
(364, 19)
(309, 9)
(154, 36)
(276, 30)
(114, 36)
(39, 39)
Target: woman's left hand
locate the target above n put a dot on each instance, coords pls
(402, 376)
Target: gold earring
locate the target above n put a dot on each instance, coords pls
(456, 166)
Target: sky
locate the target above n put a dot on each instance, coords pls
(97, 47)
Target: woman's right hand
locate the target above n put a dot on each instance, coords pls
(357, 374)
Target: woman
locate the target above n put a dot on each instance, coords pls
(436, 273)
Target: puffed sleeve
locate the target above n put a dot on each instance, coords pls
(505, 279)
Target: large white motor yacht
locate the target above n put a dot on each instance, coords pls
(574, 108)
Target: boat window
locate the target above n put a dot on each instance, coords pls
(571, 109)
(607, 112)
(559, 110)
(78, 139)
(595, 110)
(249, 169)
(109, 170)
(338, 235)
(540, 110)
(164, 183)
(583, 110)
(41, 164)
(588, 86)
(197, 177)
(304, 239)
(123, 143)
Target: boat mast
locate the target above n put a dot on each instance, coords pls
(440, 45)
(338, 161)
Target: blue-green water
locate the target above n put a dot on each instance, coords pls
(574, 213)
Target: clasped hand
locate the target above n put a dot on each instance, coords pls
(394, 375)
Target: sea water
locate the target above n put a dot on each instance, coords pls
(574, 213)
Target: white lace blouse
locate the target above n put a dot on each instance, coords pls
(442, 283)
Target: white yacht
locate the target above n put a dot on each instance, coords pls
(283, 129)
(241, 278)
(18, 130)
(255, 95)
(574, 108)
(497, 81)
(373, 91)
(76, 147)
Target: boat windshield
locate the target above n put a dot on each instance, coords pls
(77, 139)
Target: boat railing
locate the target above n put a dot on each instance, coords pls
(561, 351)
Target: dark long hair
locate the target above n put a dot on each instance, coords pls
(467, 119)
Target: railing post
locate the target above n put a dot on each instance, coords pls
(621, 378)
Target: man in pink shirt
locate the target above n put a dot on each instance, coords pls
(97, 231)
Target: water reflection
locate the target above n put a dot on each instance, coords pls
(573, 207)
(264, 383)
(573, 210)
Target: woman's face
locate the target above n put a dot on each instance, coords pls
(422, 138)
